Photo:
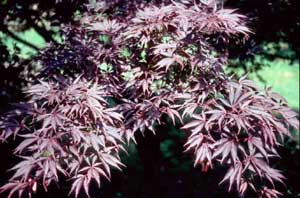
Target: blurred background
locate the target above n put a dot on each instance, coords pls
(157, 167)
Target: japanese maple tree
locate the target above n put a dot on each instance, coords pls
(121, 67)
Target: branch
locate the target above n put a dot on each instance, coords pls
(17, 38)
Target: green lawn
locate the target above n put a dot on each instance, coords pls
(281, 74)
(283, 77)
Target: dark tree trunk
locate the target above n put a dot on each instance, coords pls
(148, 147)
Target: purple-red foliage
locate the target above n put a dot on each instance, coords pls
(121, 67)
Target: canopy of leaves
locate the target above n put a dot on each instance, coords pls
(121, 68)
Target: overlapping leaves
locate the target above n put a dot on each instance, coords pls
(138, 62)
